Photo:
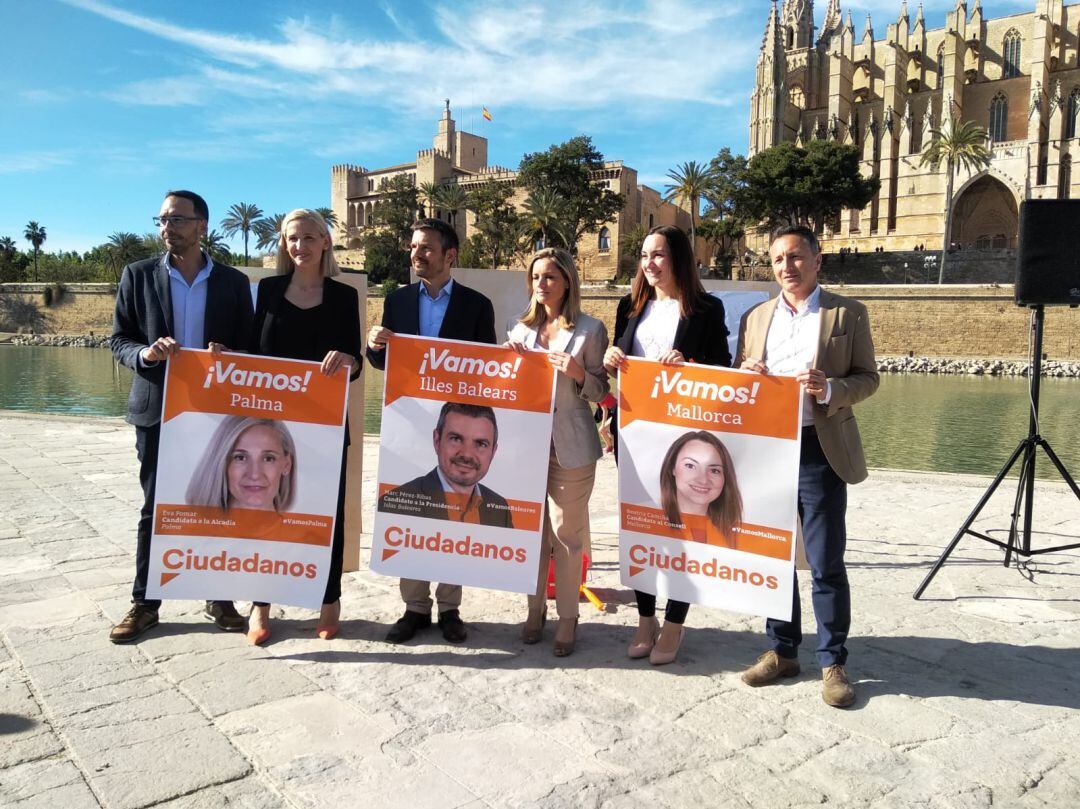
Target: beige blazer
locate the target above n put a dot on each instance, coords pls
(574, 432)
(846, 354)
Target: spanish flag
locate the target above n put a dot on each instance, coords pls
(486, 114)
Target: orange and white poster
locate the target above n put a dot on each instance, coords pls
(247, 479)
(708, 485)
(463, 459)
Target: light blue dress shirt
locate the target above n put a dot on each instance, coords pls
(189, 305)
(432, 311)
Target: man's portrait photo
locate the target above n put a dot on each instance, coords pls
(465, 439)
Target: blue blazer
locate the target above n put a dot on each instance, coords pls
(469, 316)
(144, 313)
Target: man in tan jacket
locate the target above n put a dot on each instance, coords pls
(824, 341)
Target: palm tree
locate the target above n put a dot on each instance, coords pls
(214, 245)
(122, 249)
(692, 181)
(453, 198)
(153, 244)
(545, 216)
(241, 219)
(35, 234)
(959, 145)
(429, 193)
(7, 247)
(267, 230)
(329, 217)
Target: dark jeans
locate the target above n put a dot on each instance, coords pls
(675, 612)
(146, 447)
(822, 507)
(337, 548)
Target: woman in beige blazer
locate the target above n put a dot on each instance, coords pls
(575, 342)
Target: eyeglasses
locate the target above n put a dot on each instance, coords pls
(162, 221)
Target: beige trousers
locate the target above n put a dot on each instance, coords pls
(417, 595)
(566, 535)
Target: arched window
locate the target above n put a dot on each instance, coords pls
(940, 64)
(1071, 111)
(999, 118)
(1065, 177)
(1010, 54)
(603, 242)
(797, 97)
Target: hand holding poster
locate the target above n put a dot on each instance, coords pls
(463, 456)
(708, 483)
(247, 479)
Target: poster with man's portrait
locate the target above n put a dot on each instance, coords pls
(708, 485)
(463, 459)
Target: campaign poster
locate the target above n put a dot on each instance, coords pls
(247, 479)
(708, 485)
(463, 460)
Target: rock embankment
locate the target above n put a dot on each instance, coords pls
(886, 365)
(974, 367)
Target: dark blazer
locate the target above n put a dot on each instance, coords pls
(701, 337)
(469, 316)
(339, 330)
(424, 497)
(144, 314)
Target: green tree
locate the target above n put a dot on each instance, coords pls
(690, 182)
(428, 193)
(725, 234)
(386, 244)
(787, 184)
(122, 249)
(544, 216)
(451, 199)
(566, 169)
(498, 226)
(12, 262)
(214, 244)
(328, 216)
(153, 244)
(724, 221)
(957, 145)
(35, 234)
(631, 243)
(241, 218)
(266, 231)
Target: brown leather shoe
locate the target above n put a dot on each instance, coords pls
(836, 689)
(138, 620)
(224, 616)
(770, 667)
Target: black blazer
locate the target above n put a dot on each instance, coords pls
(339, 330)
(469, 316)
(701, 337)
(144, 313)
(424, 497)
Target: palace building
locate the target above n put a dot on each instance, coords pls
(1017, 76)
(461, 158)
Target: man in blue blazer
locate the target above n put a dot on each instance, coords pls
(435, 306)
(183, 298)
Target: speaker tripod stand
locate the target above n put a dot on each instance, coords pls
(1019, 540)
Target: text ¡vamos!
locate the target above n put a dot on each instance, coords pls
(444, 360)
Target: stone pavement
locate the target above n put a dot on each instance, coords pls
(966, 699)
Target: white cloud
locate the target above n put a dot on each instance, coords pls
(34, 161)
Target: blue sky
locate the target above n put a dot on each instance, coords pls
(107, 103)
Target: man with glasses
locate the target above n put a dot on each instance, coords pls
(183, 298)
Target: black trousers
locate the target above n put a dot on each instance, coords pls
(146, 447)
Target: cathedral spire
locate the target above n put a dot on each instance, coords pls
(772, 38)
(869, 30)
(903, 11)
(832, 22)
(919, 16)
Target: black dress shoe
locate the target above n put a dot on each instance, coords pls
(408, 625)
(453, 628)
(224, 615)
(138, 620)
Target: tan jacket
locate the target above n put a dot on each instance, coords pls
(846, 355)
(573, 430)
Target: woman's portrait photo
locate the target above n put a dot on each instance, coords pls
(248, 463)
(697, 479)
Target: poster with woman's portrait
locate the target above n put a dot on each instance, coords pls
(247, 479)
(708, 485)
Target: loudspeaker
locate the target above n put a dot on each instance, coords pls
(1048, 264)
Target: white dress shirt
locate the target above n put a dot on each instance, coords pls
(189, 305)
(792, 343)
